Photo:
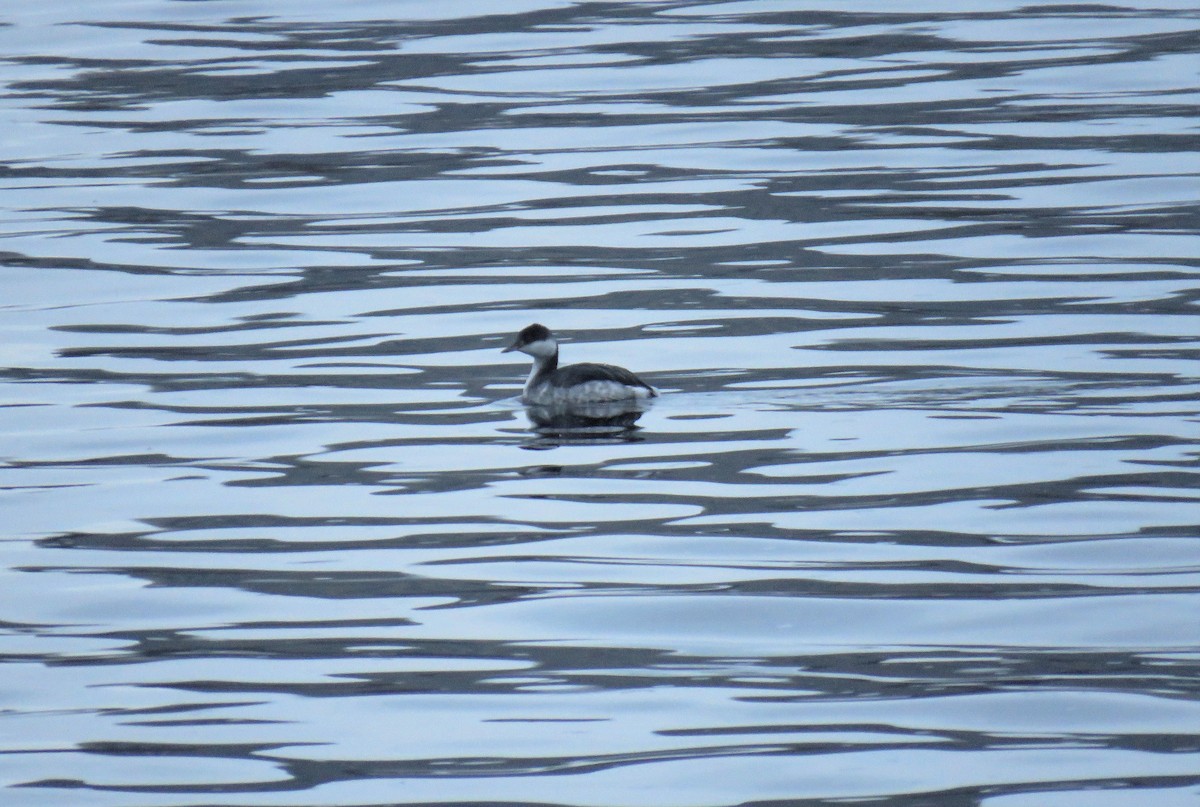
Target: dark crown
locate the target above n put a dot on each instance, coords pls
(533, 333)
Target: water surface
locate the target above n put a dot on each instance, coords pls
(915, 521)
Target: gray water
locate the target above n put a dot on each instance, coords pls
(916, 520)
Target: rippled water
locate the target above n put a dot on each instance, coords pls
(915, 522)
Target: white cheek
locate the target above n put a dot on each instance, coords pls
(541, 348)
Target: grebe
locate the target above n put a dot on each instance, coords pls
(550, 384)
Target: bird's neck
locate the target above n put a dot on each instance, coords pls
(543, 366)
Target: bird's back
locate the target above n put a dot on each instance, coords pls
(586, 372)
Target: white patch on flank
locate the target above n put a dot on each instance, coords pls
(587, 392)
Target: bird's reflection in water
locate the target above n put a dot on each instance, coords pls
(603, 422)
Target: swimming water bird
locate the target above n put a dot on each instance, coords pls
(586, 383)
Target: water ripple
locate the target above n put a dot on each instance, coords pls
(914, 521)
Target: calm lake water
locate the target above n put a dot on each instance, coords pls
(916, 520)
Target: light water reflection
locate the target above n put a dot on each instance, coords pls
(914, 522)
